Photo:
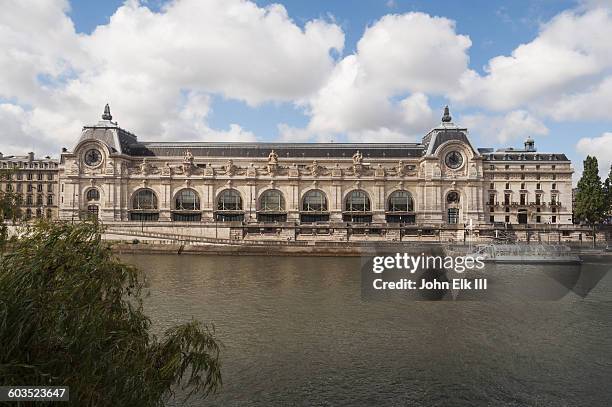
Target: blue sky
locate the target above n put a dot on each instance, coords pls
(533, 88)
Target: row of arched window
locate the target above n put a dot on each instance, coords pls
(271, 206)
(270, 201)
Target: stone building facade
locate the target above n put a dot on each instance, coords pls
(34, 181)
(441, 180)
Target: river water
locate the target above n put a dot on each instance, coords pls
(298, 332)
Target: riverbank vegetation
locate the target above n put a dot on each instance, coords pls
(71, 314)
(593, 197)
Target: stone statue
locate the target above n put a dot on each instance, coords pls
(272, 163)
(251, 171)
(188, 159)
(314, 168)
(401, 168)
(273, 158)
(230, 168)
(144, 166)
(210, 171)
(357, 163)
(166, 170)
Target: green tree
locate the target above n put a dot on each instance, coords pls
(71, 314)
(607, 188)
(9, 208)
(590, 199)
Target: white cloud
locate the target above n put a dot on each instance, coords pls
(230, 47)
(571, 53)
(381, 89)
(382, 134)
(16, 134)
(592, 103)
(600, 147)
(518, 124)
(190, 122)
(145, 63)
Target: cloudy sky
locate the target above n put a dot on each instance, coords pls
(373, 70)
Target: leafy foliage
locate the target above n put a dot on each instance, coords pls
(607, 188)
(71, 314)
(9, 201)
(590, 199)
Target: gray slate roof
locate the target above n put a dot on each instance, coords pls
(284, 150)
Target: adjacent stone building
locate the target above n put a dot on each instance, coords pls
(35, 181)
(442, 180)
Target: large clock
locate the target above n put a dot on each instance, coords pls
(93, 157)
(454, 160)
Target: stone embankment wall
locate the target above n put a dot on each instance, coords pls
(356, 233)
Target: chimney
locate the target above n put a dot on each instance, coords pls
(30, 156)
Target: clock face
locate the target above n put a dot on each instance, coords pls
(93, 157)
(453, 160)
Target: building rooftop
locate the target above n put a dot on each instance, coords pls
(123, 142)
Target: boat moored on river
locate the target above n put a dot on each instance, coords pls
(527, 254)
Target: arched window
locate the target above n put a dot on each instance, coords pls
(229, 206)
(452, 197)
(400, 206)
(272, 201)
(144, 199)
(401, 201)
(357, 201)
(229, 200)
(272, 207)
(314, 201)
(187, 200)
(93, 195)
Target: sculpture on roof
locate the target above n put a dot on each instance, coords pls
(446, 118)
(107, 114)
(230, 168)
(357, 158)
(273, 158)
(188, 159)
(314, 168)
(272, 163)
